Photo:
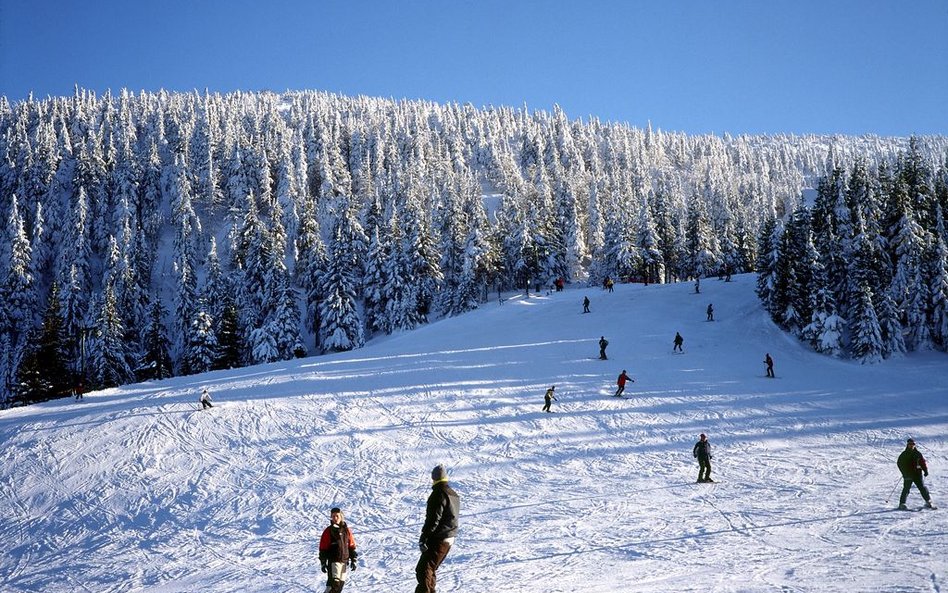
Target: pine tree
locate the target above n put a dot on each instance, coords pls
(51, 354)
(231, 348)
(202, 346)
(866, 343)
(17, 290)
(156, 360)
(937, 268)
(341, 327)
(701, 259)
(108, 358)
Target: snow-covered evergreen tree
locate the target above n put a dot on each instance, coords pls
(156, 357)
(341, 327)
(108, 359)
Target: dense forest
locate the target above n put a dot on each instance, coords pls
(164, 233)
(863, 270)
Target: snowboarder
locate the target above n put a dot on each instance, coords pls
(549, 398)
(678, 342)
(710, 312)
(702, 452)
(439, 530)
(585, 304)
(205, 399)
(621, 383)
(913, 467)
(603, 342)
(770, 365)
(337, 551)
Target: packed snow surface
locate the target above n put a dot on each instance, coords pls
(135, 489)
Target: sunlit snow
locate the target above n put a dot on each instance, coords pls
(135, 489)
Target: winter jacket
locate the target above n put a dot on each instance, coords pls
(702, 450)
(911, 464)
(622, 379)
(441, 514)
(337, 544)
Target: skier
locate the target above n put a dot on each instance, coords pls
(337, 551)
(439, 530)
(585, 304)
(77, 391)
(913, 467)
(702, 452)
(205, 399)
(678, 342)
(603, 342)
(710, 312)
(610, 284)
(621, 383)
(548, 399)
(770, 365)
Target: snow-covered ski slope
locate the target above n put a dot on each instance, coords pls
(134, 489)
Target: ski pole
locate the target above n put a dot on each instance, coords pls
(889, 497)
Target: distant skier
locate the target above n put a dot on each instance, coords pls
(702, 452)
(205, 399)
(770, 365)
(585, 304)
(549, 398)
(337, 551)
(913, 467)
(621, 383)
(603, 342)
(610, 284)
(439, 530)
(678, 342)
(710, 312)
(77, 391)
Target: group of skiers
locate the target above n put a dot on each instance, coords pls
(337, 545)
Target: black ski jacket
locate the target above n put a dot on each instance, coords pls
(702, 450)
(441, 515)
(911, 464)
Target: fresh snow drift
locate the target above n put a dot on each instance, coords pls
(136, 489)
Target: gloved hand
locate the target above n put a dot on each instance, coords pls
(323, 566)
(926, 473)
(352, 564)
(423, 547)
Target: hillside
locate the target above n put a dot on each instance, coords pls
(134, 489)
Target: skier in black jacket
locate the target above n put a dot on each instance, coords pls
(439, 530)
(702, 452)
(913, 466)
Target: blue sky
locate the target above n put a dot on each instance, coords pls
(697, 66)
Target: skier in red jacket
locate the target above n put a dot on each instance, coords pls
(621, 383)
(337, 551)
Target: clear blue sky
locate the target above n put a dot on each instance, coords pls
(697, 66)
